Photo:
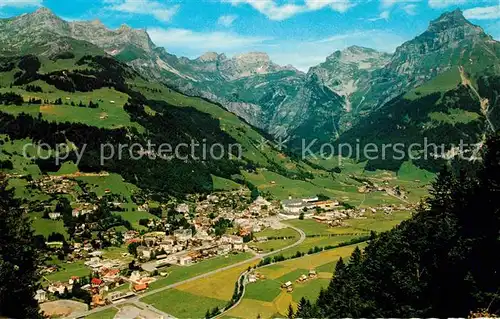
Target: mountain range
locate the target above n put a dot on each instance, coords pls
(344, 97)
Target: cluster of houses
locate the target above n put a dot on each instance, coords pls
(183, 248)
(385, 187)
(51, 184)
(288, 286)
(106, 275)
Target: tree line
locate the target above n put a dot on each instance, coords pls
(441, 263)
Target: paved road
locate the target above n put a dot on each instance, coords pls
(135, 300)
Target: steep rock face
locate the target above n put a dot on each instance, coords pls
(36, 30)
(427, 91)
(342, 71)
(450, 41)
(113, 41)
(212, 66)
(43, 29)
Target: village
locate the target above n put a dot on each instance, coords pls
(199, 228)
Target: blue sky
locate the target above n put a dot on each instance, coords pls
(297, 32)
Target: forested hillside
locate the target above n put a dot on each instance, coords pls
(441, 263)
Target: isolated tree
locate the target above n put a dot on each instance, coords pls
(18, 260)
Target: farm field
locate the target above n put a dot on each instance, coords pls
(377, 222)
(224, 184)
(267, 299)
(46, 227)
(105, 314)
(112, 182)
(109, 114)
(180, 273)
(276, 240)
(183, 304)
(311, 242)
(380, 222)
(134, 216)
(68, 270)
(193, 299)
(342, 188)
(312, 227)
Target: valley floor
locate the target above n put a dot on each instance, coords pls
(189, 292)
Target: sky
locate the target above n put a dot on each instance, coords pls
(297, 32)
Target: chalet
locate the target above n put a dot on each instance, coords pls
(135, 276)
(144, 252)
(41, 296)
(182, 208)
(185, 260)
(252, 278)
(111, 274)
(54, 215)
(59, 288)
(287, 284)
(320, 218)
(140, 287)
(128, 235)
(96, 282)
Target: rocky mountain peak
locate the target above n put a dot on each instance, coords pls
(97, 22)
(42, 17)
(44, 12)
(361, 57)
(124, 27)
(253, 57)
(210, 57)
(449, 20)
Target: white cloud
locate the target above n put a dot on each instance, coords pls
(20, 3)
(384, 15)
(148, 7)
(226, 21)
(336, 5)
(410, 9)
(199, 42)
(483, 13)
(445, 3)
(274, 11)
(388, 3)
